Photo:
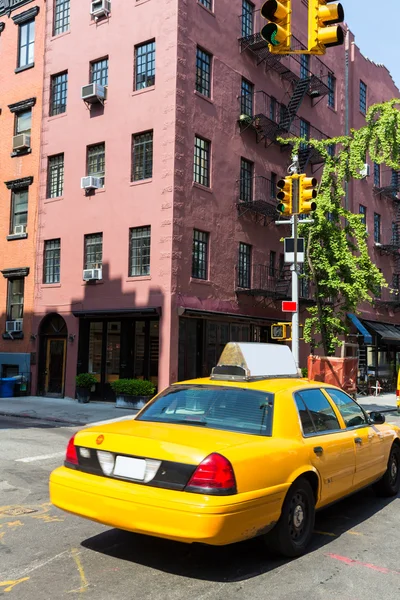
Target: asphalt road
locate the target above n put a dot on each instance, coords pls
(48, 555)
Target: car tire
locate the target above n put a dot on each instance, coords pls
(291, 535)
(389, 485)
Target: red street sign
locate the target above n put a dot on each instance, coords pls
(289, 306)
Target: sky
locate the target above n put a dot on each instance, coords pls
(376, 29)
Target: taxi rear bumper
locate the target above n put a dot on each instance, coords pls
(170, 514)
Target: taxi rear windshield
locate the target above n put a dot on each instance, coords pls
(213, 407)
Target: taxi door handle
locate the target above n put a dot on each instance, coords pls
(358, 440)
(318, 450)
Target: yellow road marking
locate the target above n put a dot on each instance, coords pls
(84, 583)
(354, 533)
(337, 534)
(14, 524)
(48, 518)
(11, 584)
(325, 533)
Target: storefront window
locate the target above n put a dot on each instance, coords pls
(95, 348)
(113, 351)
(139, 349)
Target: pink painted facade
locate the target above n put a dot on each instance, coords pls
(193, 316)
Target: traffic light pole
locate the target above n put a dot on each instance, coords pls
(294, 266)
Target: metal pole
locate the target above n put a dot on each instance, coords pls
(294, 266)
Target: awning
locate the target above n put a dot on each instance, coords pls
(198, 312)
(124, 312)
(361, 328)
(387, 333)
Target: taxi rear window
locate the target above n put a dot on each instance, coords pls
(213, 407)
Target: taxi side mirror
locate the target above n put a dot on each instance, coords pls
(376, 418)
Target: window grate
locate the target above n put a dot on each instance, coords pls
(200, 254)
(61, 16)
(142, 156)
(139, 251)
(51, 269)
(55, 176)
(201, 171)
(203, 72)
(244, 270)
(93, 251)
(145, 65)
(59, 89)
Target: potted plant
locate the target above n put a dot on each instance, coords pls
(132, 393)
(84, 384)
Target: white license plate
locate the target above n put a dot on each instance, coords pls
(132, 468)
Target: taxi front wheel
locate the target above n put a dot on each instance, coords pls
(292, 533)
(389, 485)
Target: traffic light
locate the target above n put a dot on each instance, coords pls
(285, 196)
(280, 331)
(278, 31)
(323, 31)
(307, 193)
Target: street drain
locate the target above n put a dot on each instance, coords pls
(17, 511)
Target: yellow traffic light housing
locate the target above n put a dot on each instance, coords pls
(280, 331)
(307, 194)
(285, 196)
(278, 31)
(323, 31)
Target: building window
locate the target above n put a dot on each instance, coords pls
(377, 228)
(281, 264)
(332, 90)
(26, 44)
(272, 264)
(304, 132)
(363, 97)
(142, 156)
(139, 251)
(61, 16)
(145, 65)
(377, 175)
(96, 161)
(396, 282)
(51, 267)
(93, 251)
(59, 89)
(244, 270)
(394, 182)
(247, 18)
(331, 149)
(203, 72)
(304, 66)
(206, 3)
(395, 234)
(19, 210)
(99, 71)
(201, 170)
(15, 299)
(273, 185)
(246, 180)
(246, 98)
(55, 176)
(200, 255)
(273, 105)
(363, 212)
(23, 122)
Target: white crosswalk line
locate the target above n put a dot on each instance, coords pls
(29, 459)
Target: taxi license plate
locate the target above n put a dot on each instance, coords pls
(132, 468)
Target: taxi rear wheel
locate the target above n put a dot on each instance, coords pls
(292, 533)
(389, 485)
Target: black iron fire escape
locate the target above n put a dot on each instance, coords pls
(268, 283)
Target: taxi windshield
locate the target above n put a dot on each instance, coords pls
(213, 407)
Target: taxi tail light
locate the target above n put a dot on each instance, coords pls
(397, 393)
(214, 475)
(71, 456)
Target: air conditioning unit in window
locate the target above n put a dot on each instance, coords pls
(93, 93)
(92, 274)
(22, 141)
(365, 171)
(18, 229)
(90, 183)
(100, 8)
(13, 326)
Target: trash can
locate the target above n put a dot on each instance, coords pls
(7, 387)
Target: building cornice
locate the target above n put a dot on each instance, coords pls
(14, 273)
(22, 105)
(27, 15)
(17, 184)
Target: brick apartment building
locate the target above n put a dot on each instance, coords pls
(156, 241)
(21, 89)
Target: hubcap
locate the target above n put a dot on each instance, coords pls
(298, 516)
(393, 470)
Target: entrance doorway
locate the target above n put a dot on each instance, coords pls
(55, 366)
(52, 356)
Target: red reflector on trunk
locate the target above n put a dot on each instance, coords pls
(71, 456)
(214, 473)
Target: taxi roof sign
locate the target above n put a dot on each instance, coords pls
(248, 361)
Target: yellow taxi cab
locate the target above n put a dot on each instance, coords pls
(252, 450)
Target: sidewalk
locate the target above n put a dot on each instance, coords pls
(62, 410)
(70, 412)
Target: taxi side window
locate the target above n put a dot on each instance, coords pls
(352, 414)
(316, 414)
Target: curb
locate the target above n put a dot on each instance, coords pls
(47, 419)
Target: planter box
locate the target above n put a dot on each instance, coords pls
(83, 395)
(133, 402)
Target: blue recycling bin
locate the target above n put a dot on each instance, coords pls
(7, 387)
